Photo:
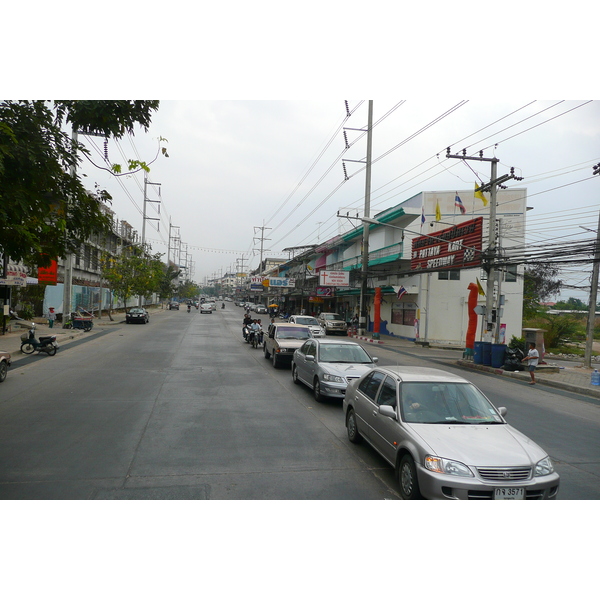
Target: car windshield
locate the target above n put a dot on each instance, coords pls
(306, 321)
(292, 333)
(446, 403)
(332, 317)
(343, 353)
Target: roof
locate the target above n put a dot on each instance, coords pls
(422, 374)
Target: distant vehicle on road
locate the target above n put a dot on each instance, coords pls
(332, 323)
(207, 307)
(445, 438)
(137, 315)
(173, 305)
(312, 323)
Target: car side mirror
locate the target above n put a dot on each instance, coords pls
(387, 411)
(309, 358)
(502, 410)
(375, 359)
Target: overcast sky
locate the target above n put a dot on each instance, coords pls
(235, 166)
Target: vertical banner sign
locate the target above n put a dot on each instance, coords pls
(458, 247)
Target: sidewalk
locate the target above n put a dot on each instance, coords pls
(11, 342)
(573, 378)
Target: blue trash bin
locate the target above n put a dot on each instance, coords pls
(478, 353)
(498, 351)
(487, 353)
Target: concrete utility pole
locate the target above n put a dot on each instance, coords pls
(589, 338)
(363, 312)
(68, 267)
(491, 314)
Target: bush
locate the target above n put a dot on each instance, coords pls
(517, 344)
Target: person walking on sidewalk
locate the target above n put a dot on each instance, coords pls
(533, 357)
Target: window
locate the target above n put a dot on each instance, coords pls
(370, 384)
(311, 349)
(404, 313)
(387, 393)
(450, 274)
(510, 274)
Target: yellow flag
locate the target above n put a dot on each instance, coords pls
(438, 212)
(479, 288)
(480, 195)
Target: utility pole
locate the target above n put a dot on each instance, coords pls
(491, 314)
(145, 218)
(589, 338)
(262, 240)
(362, 320)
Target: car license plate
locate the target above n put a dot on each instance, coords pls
(509, 494)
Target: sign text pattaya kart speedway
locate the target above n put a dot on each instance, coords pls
(454, 248)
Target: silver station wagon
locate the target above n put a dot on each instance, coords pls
(445, 438)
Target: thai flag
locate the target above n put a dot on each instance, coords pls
(459, 204)
(401, 292)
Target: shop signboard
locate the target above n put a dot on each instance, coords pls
(457, 247)
(325, 292)
(334, 278)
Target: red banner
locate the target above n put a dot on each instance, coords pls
(48, 274)
(457, 247)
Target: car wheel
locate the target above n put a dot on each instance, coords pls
(27, 348)
(407, 476)
(317, 390)
(352, 429)
(267, 353)
(274, 360)
(295, 374)
(3, 371)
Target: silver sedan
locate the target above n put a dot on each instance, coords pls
(327, 365)
(445, 438)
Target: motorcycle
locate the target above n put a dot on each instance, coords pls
(189, 308)
(46, 343)
(257, 338)
(246, 330)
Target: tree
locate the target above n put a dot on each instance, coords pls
(540, 284)
(167, 286)
(45, 211)
(133, 273)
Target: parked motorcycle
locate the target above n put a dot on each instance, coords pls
(46, 343)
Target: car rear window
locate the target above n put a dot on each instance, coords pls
(292, 333)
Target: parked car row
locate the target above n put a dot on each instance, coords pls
(443, 437)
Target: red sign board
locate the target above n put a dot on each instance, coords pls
(457, 247)
(48, 274)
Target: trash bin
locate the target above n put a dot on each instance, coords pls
(487, 353)
(478, 353)
(498, 351)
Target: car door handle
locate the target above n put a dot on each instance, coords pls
(375, 413)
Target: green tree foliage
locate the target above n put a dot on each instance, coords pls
(167, 285)
(540, 284)
(133, 273)
(571, 304)
(45, 212)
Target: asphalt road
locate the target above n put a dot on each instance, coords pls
(182, 408)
